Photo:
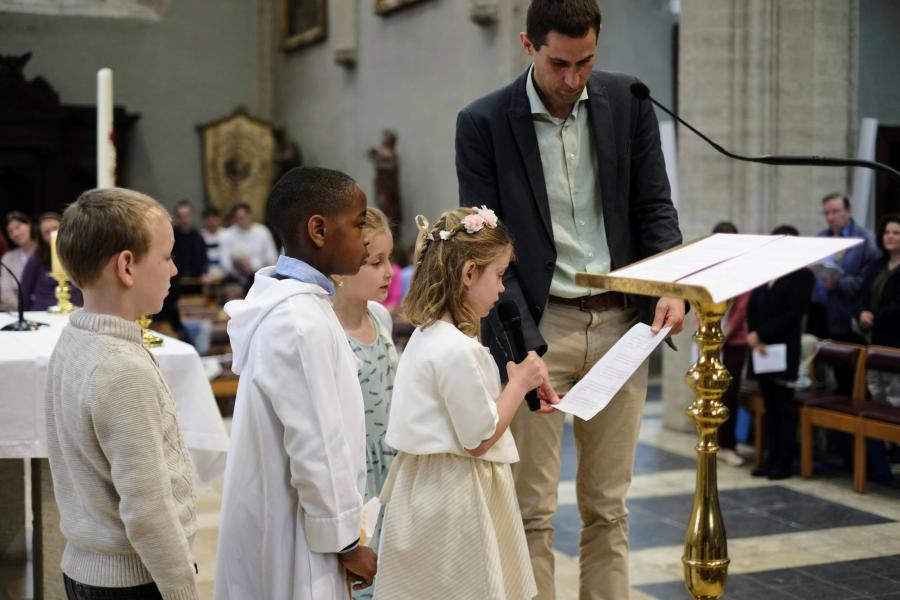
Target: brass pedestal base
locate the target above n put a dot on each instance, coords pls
(705, 556)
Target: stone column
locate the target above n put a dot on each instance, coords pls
(266, 47)
(511, 21)
(761, 77)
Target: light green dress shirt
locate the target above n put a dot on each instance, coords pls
(569, 161)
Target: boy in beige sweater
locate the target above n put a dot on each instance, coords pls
(121, 471)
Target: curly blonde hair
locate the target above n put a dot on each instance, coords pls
(436, 286)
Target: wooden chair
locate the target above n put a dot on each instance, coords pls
(750, 398)
(224, 387)
(880, 421)
(835, 411)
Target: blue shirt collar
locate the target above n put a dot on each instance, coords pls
(847, 229)
(294, 268)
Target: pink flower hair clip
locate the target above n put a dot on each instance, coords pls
(481, 217)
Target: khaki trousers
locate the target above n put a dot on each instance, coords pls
(605, 448)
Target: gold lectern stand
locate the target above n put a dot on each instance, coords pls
(707, 272)
(705, 556)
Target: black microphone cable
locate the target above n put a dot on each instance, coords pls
(642, 92)
(21, 324)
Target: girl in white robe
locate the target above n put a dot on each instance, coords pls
(452, 527)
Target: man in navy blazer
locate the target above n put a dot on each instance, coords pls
(571, 162)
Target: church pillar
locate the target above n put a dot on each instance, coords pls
(760, 77)
(266, 47)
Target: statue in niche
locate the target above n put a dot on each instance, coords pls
(287, 154)
(387, 180)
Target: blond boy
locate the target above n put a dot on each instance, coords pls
(121, 472)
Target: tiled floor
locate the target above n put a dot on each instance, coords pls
(790, 539)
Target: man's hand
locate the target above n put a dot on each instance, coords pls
(669, 311)
(546, 393)
(866, 320)
(360, 564)
(755, 344)
(242, 266)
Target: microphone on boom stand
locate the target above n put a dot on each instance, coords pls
(21, 324)
(642, 92)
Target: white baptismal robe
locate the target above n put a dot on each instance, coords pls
(296, 470)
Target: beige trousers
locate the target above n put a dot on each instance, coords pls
(605, 448)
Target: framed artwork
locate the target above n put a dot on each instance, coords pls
(238, 161)
(302, 23)
(387, 6)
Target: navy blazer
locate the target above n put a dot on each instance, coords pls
(498, 164)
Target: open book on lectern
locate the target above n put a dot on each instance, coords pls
(711, 269)
(720, 266)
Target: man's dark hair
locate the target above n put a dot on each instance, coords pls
(240, 206)
(303, 192)
(209, 211)
(882, 225)
(16, 215)
(843, 197)
(785, 230)
(571, 18)
(725, 227)
(184, 202)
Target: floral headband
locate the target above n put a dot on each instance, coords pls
(472, 223)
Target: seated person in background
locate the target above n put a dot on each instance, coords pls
(21, 234)
(775, 316)
(38, 288)
(212, 235)
(880, 307)
(122, 476)
(190, 248)
(246, 247)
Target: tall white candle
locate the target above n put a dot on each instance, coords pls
(106, 150)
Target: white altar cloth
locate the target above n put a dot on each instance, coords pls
(23, 369)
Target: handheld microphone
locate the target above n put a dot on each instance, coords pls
(21, 324)
(511, 320)
(642, 92)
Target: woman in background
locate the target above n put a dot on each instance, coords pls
(880, 307)
(38, 288)
(21, 234)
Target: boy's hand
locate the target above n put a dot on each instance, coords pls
(360, 564)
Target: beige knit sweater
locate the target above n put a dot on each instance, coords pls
(121, 473)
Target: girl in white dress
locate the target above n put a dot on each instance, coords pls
(452, 527)
(368, 327)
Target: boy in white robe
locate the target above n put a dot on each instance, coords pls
(296, 472)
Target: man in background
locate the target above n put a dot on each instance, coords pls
(245, 247)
